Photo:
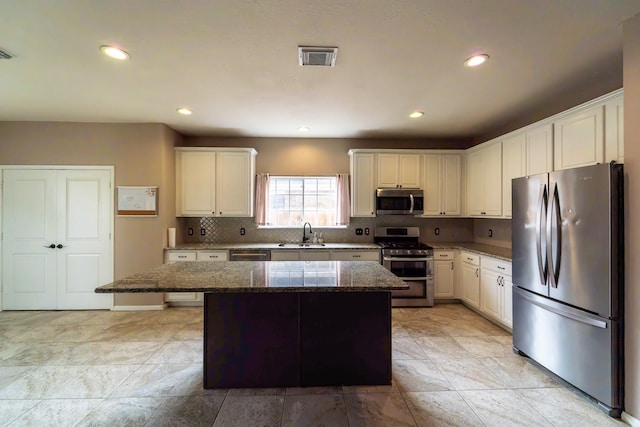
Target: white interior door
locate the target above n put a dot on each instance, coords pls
(84, 261)
(29, 228)
(71, 210)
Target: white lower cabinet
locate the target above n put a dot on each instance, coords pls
(444, 274)
(470, 267)
(190, 298)
(325, 255)
(285, 256)
(362, 255)
(495, 289)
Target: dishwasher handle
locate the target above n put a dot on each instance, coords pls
(250, 255)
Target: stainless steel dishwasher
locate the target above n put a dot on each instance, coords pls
(249, 255)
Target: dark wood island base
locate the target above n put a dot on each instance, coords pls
(292, 339)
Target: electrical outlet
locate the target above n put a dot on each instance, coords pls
(190, 231)
(358, 231)
(242, 231)
(203, 232)
(366, 231)
(490, 233)
(436, 231)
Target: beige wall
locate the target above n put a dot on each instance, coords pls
(632, 169)
(142, 155)
(312, 156)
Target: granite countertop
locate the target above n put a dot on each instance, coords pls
(479, 248)
(273, 246)
(260, 276)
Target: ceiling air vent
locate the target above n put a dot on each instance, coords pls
(317, 56)
(5, 55)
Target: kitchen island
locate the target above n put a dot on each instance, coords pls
(285, 324)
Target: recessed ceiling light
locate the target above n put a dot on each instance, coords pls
(476, 60)
(114, 52)
(303, 129)
(184, 111)
(416, 114)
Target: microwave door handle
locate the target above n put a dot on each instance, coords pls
(412, 202)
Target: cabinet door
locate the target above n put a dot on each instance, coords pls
(539, 150)
(234, 184)
(492, 183)
(432, 185)
(451, 203)
(179, 256)
(443, 279)
(513, 166)
(409, 170)
(578, 139)
(491, 293)
(614, 132)
(474, 183)
(387, 170)
(195, 183)
(507, 297)
(363, 185)
(471, 284)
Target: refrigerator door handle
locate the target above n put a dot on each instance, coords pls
(553, 213)
(570, 315)
(542, 208)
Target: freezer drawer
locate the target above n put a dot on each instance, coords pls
(579, 347)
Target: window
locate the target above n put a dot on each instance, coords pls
(296, 200)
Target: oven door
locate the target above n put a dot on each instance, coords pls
(407, 267)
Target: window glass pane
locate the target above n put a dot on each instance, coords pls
(294, 200)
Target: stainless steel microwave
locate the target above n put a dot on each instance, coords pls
(399, 201)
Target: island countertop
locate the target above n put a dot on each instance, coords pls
(260, 276)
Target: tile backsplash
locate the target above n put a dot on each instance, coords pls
(228, 230)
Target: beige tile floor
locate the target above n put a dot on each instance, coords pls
(97, 368)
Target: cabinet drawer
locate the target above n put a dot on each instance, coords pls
(285, 256)
(182, 296)
(470, 258)
(443, 255)
(355, 256)
(181, 256)
(212, 256)
(497, 265)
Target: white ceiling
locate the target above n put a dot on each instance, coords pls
(234, 62)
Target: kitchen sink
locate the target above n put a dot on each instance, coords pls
(301, 245)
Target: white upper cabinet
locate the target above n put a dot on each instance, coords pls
(539, 149)
(484, 180)
(442, 177)
(215, 182)
(195, 183)
(363, 184)
(614, 130)
(398, 170)
(579, 138)
(235, 173)
(513, 166)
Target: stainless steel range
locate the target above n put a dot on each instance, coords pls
(410, 260)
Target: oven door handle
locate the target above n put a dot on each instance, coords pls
(405, 259)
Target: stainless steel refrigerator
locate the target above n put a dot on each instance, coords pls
(568, 277)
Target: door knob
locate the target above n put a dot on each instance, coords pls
(60, 246)
(51, 246)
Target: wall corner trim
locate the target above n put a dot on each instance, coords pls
(629, 419)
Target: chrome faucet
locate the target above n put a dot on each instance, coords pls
(305, 239)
